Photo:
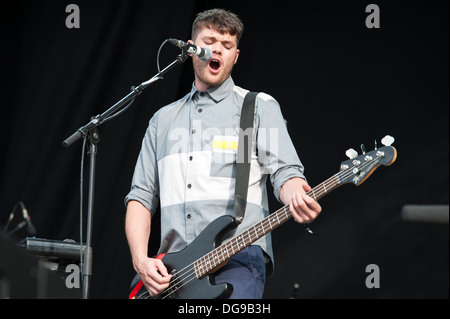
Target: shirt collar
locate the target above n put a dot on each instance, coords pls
(217, 93)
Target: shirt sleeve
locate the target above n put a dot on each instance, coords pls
(276, 152)
(145, 182)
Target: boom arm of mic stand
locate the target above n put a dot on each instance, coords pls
(90, 130)
(98, 120)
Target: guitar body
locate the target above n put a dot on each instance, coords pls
(202, 288)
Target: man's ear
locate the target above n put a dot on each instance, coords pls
(237, 56)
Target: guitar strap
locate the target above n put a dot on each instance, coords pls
(244, 155)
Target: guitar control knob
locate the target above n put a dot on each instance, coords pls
(351, 153)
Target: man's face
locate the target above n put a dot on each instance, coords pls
(224, 56)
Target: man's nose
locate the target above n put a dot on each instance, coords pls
(216, 48)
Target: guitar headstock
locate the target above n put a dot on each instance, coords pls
(359, 167)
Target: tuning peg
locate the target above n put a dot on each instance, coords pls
(387, 140)
(351, 153)
(376, 146)
(363, 149)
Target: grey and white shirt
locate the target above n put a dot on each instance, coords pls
(187, 163)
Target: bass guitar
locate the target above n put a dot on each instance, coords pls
(192, 267)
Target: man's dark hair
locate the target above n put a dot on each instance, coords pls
(221, 20)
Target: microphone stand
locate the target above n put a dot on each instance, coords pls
(90, 132)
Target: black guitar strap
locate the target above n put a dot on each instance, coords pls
(244, 155)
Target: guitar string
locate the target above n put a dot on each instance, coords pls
(320, 193)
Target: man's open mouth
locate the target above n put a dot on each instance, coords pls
(214, 64)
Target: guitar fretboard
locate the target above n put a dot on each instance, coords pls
(228, 249)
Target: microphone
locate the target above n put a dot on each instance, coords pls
(204, 54)
(26, 217)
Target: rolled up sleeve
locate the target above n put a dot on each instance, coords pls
(145, 184)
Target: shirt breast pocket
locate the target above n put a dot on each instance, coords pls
(223, 161)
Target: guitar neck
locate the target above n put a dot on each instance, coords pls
(224, 252)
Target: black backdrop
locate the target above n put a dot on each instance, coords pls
(339, 83)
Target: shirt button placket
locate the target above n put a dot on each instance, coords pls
(189, 220)
(195, 145)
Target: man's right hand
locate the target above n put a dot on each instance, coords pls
(153, 274)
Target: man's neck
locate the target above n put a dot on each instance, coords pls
(201, 86)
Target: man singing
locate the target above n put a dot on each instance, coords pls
(187, 166)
